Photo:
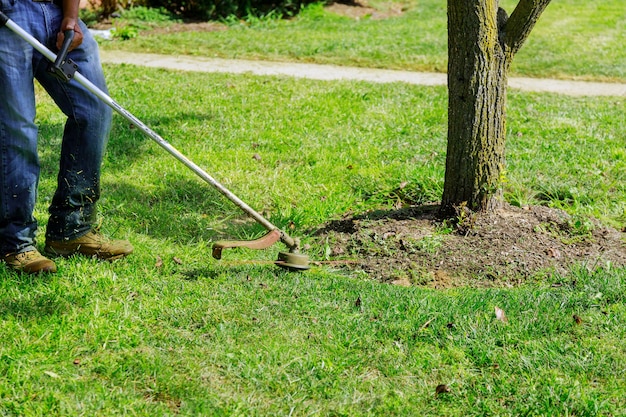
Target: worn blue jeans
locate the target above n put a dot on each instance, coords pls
(73, 207)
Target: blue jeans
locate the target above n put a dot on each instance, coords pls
(73, 207)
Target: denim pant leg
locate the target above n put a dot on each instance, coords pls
(19, 163)
(73, 207)
(72, 211)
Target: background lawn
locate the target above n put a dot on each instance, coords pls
(574, 39)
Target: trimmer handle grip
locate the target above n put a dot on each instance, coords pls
(68, 37)
(62, 67)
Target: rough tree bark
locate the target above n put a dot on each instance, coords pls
(482, 41)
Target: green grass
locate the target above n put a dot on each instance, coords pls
(172, 331)
(127, 339)
(573, 39)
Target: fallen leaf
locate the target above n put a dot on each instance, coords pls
(76, 362)
(177, 260)
(159, 262)
(500, 315)
(256, 157)
(577, 319)
(337, 250)
(442, 389)
(403, 184)
(402, 282)
(553, 253)
(52, 374)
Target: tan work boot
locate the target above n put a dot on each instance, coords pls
(31, 262)
(91, 244)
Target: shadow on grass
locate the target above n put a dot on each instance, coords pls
(127, 143)
(186, 209)
(425, 212)
(30, 305)
(182, 210)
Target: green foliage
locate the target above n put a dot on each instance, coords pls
(213, 9)
(147, 14)
(125, 32)
(135, 19)
(88, 16)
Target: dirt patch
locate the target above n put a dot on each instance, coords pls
(191, 27)
(412, 246)
(360, 9)
(175, 27)
(188, 27)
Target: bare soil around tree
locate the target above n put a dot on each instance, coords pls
(413, 246)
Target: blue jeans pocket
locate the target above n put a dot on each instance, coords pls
(6, 5)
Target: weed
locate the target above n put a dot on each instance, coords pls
(125, 32)
(575, 229)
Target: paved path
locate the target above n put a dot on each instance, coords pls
(333, 72)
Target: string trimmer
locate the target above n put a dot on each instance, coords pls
(66, 70)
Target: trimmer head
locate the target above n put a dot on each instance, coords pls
(293, 261)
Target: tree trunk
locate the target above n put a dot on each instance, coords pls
(482, 41)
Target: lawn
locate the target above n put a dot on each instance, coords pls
(574, 39)
(171, 331)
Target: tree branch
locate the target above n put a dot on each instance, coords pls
(521, 23)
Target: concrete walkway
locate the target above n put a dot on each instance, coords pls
(333, 72)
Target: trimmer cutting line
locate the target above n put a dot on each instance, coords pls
(66, 70)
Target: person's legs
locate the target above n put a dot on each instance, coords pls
(19, 163)
(72, 212)
(73, 207)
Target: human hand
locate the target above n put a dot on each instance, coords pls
(70, 24)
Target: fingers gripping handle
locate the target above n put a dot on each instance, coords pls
(63, 68)
(68, 37)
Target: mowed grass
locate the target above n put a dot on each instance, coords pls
(171, 331)
(574, 39)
